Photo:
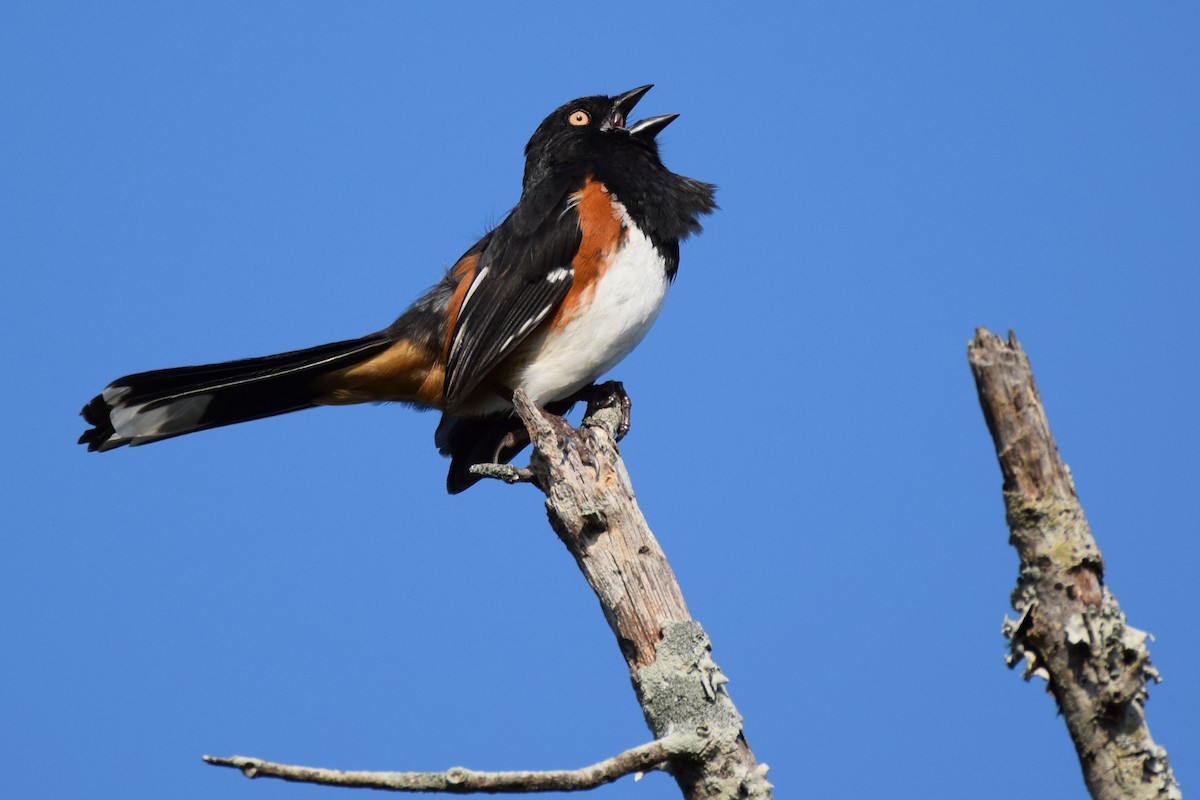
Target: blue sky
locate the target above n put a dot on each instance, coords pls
(184, 183)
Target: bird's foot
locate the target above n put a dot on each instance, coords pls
(609, 396)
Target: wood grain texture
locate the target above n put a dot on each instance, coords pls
(1070, 629)
(591, 505)
(697, 731)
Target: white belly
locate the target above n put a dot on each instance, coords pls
(626, 301)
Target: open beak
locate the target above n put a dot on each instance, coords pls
(648, 128)
(623, 103)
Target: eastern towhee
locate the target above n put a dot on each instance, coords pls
(547, 301)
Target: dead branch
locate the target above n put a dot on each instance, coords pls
(461, 780)
(1070, 629)
(591, 506)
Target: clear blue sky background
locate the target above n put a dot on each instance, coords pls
(185, 183)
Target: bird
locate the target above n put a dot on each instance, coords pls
(547, 301)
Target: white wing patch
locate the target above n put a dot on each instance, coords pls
(474, 285)
(525, 326)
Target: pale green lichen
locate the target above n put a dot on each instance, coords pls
(684, 688)
(684, 698)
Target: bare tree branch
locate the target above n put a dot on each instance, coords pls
(681, 690)
(591, 505)
(1070, 629)
(461, 780)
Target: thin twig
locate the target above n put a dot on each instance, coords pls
(504, 472)
(461, 780)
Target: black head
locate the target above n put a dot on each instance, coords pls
(592, 130)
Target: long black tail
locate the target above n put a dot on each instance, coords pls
(150, 406)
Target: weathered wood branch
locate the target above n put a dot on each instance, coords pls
(460, 780)
(590, 501)
(591, 505)
(1070, 629)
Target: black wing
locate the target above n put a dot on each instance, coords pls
(520, 279)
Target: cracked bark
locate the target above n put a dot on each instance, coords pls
(1070, 629)
(591, 506)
